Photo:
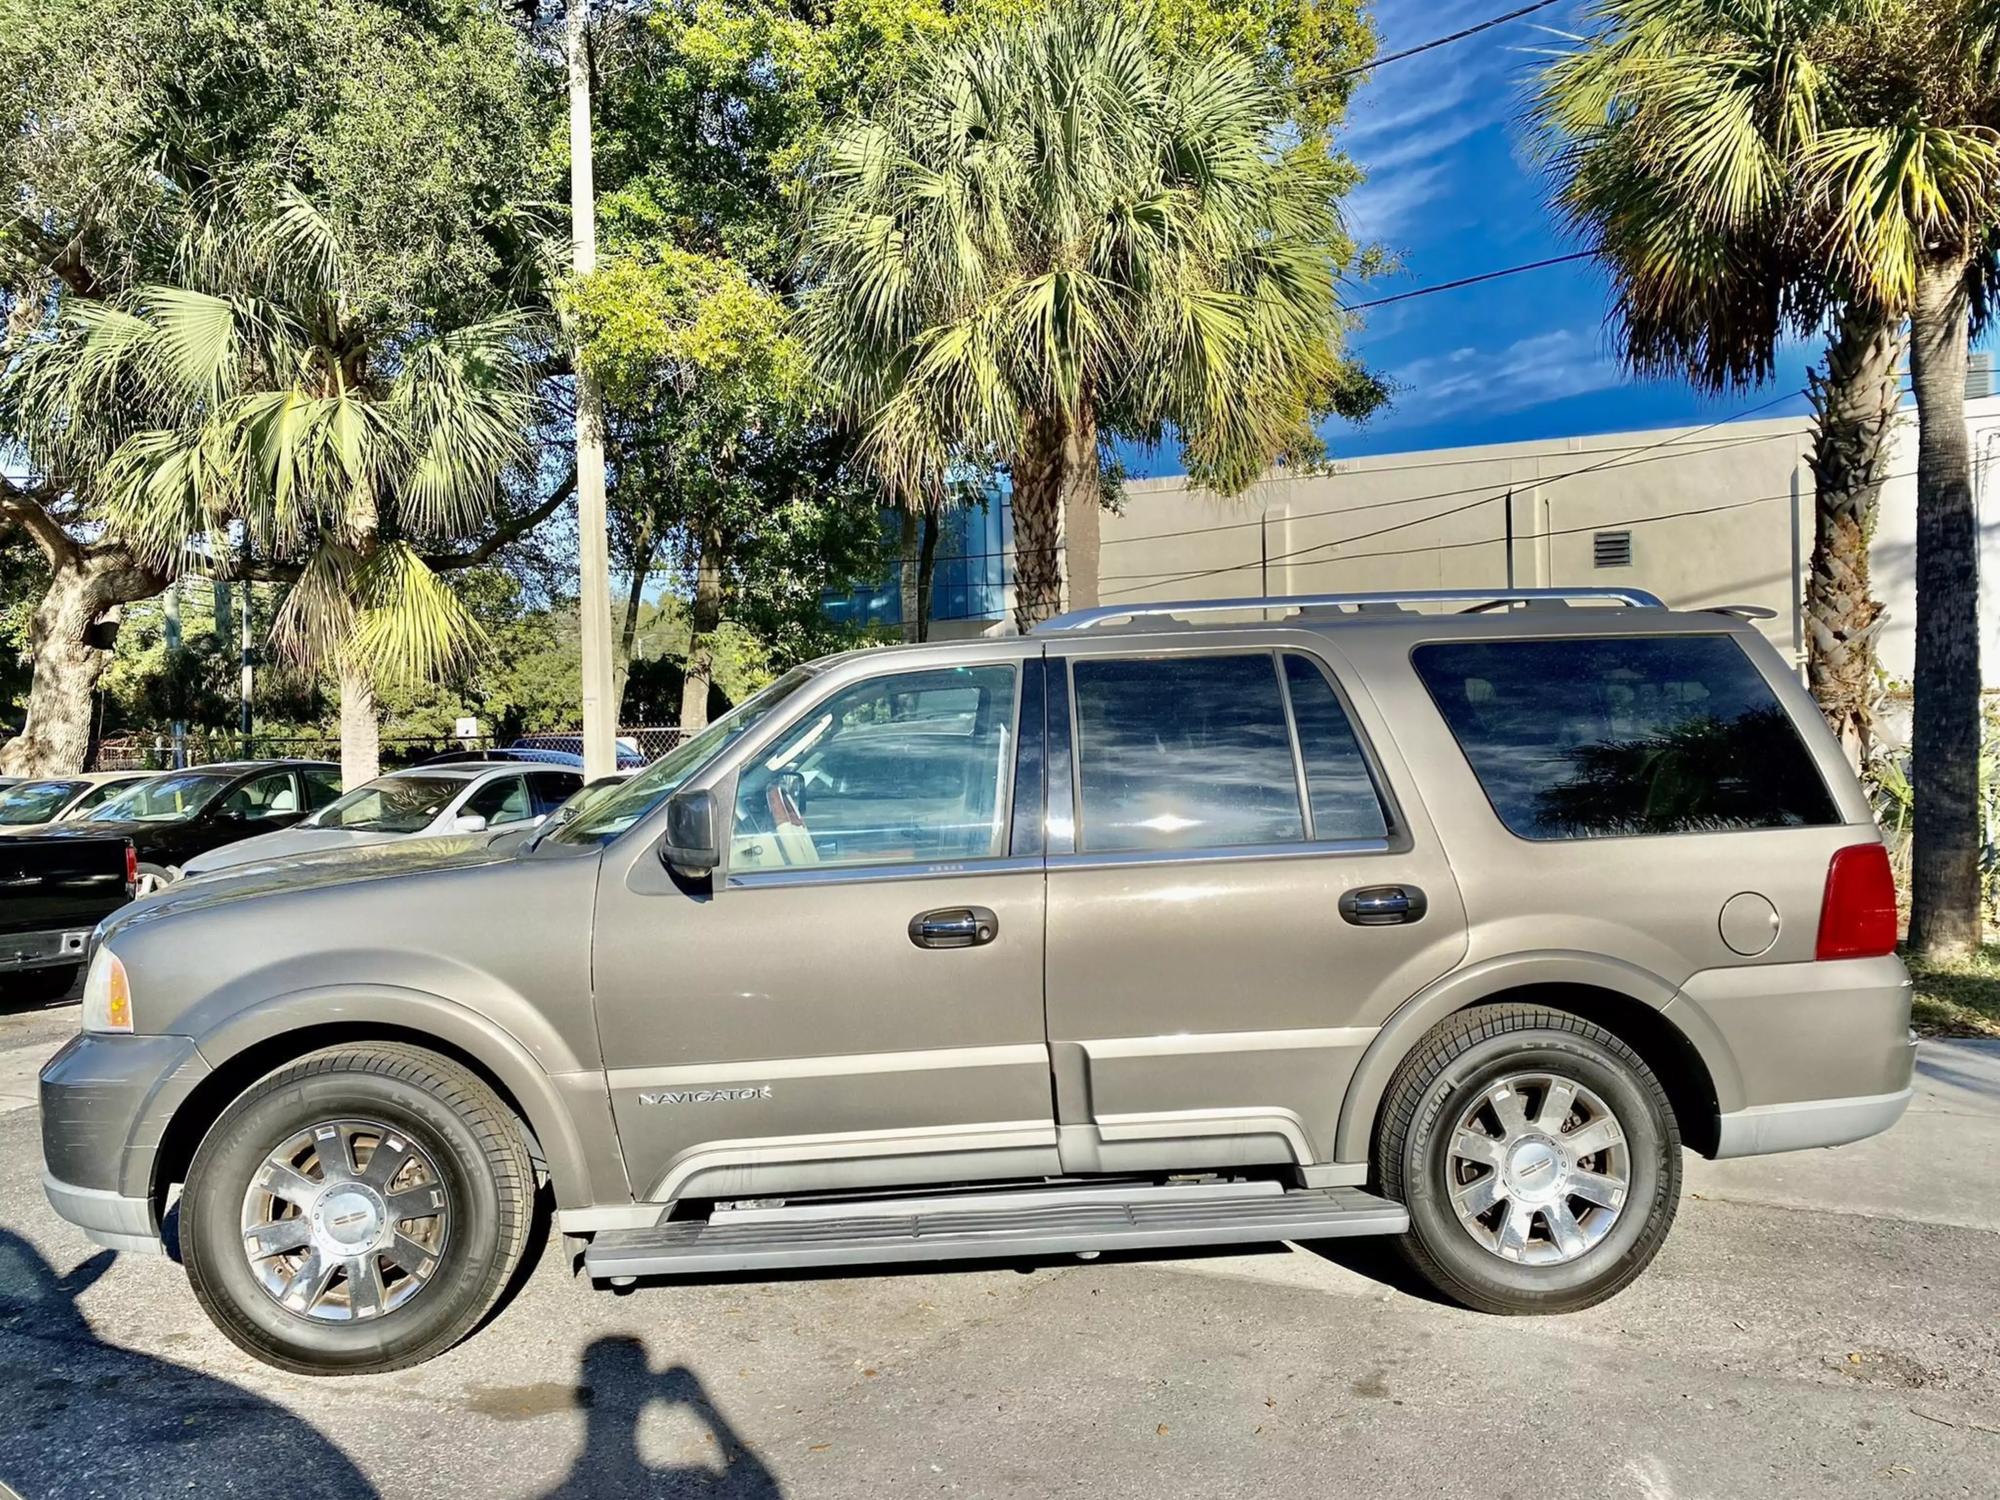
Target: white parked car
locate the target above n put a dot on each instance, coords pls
(423, 801)
(54, 799)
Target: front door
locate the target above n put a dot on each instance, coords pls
(855, 998)
(1246, 898)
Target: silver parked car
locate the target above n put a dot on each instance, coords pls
(463, 797)
(1145, 930)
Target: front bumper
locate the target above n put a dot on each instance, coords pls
(106, 1102)
(110, 1219)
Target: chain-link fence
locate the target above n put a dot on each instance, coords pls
(162, 750)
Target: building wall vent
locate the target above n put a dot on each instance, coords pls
(1982, 375)
(1611, 549)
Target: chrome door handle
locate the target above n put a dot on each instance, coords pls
(954, 927)
(1383, 905)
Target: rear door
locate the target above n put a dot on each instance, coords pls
(1242, 888)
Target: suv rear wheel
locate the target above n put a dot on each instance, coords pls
(1538, 1157)
(359, 1210)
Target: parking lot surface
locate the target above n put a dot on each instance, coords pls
(1819, 1324)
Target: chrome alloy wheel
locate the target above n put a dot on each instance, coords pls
(1538, 1169)
(346, 1220)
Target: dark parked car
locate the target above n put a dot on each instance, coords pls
(571, 746)
(53, 891)
(173, 817)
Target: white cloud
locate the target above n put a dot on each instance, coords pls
(1381, 205)
(1529, 372)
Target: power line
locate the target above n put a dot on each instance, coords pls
(1623, 457)
(1449, 286)
(1610, 462)
(1445, 41)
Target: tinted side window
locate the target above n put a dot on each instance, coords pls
(552, 789)
(322, 787)
(502, 800)
(1632, 735)
(1184, 753)
(1028, 757)
(1345, 804)
(269, 796)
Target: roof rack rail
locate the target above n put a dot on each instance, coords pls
(1475, 599)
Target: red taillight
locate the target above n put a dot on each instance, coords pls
(131, 865)
(1857, 918)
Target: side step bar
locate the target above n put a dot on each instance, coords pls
(1031, 1222)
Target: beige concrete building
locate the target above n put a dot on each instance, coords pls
(1704, 515)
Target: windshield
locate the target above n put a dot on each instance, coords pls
(395, 804)
(161, 800)
(34, 801)
(604, 820)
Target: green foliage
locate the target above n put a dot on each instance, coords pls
(1170, 268)
(1746, 168)
(253, 391)
(416, 128)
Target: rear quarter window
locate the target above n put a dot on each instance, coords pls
(1603, 738)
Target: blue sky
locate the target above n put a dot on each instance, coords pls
(1451, 193)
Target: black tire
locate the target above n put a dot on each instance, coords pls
(1448, 1073)
(446, 1113)
(153, 878)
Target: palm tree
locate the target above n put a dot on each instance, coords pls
(1055, 234)
(346, 445)
(1755, 169)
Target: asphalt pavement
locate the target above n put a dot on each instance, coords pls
(1826, 1323)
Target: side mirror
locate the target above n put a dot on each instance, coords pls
(468, 823)
(691, 844)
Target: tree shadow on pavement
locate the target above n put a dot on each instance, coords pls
(617, 1385)
(86, 1417)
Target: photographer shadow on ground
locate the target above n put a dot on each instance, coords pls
(616, 1386)
(87, 1417)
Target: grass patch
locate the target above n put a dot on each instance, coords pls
(1957, 999)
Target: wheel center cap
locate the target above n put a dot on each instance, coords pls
(1534, 1170)
(348, 1219)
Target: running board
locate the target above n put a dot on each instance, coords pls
(1032, 1222)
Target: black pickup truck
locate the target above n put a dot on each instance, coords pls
(53, 891)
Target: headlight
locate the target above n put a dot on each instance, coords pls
(107, 994)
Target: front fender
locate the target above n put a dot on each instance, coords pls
(1469, 986)
(565, 1104)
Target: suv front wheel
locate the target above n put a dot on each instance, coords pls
(358, 1210)
(1537, 1155)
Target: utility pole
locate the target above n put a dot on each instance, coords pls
(600, 713)
(173, 634)
(247, 671)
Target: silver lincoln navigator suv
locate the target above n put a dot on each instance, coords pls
(1451, 917)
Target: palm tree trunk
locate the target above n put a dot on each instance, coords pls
(906, 575)
(360, 729)
(927, 568)
(703, 617)
(1082, 502)
(1945, 834)
(1038, 505)
(1854, 413)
